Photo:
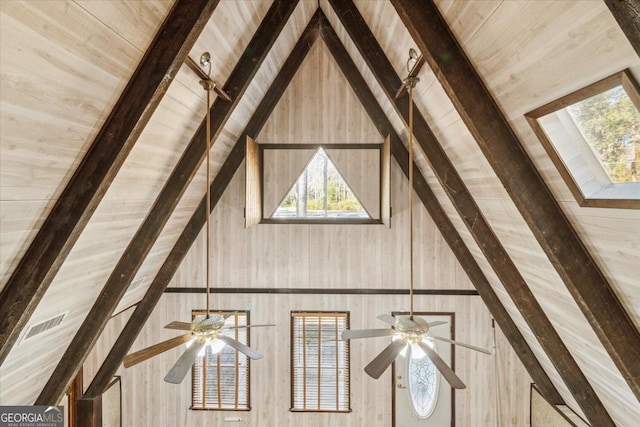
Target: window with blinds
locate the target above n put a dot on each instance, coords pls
(220, 380)
(319, 362)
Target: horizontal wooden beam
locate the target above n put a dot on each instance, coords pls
(437, 213)
(147, 234)
(84, 191)
(325, 291)
(194, 226)
(505, 153)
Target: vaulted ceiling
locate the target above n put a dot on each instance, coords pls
(103, 140)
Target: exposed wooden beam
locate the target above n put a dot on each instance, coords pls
(156, 289)
(440, 218)
(84, 191)
(627, 13)
(204, 76)
(133, 257)
(503, 150)
(324, 291)
(471, 215)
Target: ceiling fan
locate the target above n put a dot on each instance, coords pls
(208, 329)
(409, 332)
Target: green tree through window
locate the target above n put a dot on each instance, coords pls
(610, 124)
(320, 192)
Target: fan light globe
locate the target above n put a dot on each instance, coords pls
(216, 346)
(417, 352)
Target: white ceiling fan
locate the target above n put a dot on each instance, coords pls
(208, 329)
(411, 332)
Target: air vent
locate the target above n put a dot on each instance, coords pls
(44, 326)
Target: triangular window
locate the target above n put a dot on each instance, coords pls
(320, 192)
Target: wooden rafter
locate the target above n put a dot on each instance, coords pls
(503, 150)
(156, 289)
(627, 13)
(439, 216)
(471, 215)
(147, 234)
(84, 191)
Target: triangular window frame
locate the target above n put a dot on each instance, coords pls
(318, 196)
(260, 190)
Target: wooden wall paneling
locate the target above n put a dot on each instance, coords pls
(553, 231)
(466, 18)
(385, 184)
(627, 13)
(252, 184)
(332, 111)
(83, 193)
(142, 385)
(363, 37)
(601, 51)
(61, 94)
(99, 247)
(189, 234)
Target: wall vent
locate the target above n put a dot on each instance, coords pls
(44, 326)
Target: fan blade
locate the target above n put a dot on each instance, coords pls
(472, 347)
(248, 351)
(247, 326)
(387, 318)
(149, 352)
(226, 316)
(349, 334)
(384, 359)
(444, 369)
(184, 363)
(436, 323)
(181, 326)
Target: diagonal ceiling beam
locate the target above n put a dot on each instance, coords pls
(146, 305)
(627, 13)
(82, 194)
(439, 216)
(471, 215)
(510, 162)
(134, 255)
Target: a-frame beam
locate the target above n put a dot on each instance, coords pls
(234, 160)
(627, 13)
(508, 158)
(82, 194)
(471, 215)
(133, 257)
(439, 216)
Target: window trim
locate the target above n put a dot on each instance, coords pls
(604, 197)
(195, 313)
(384, 158)
(308, 313)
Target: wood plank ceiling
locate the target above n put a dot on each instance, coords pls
(560, 280)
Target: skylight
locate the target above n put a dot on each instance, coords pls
(593, 138)
(320, 192)
(610, 124)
